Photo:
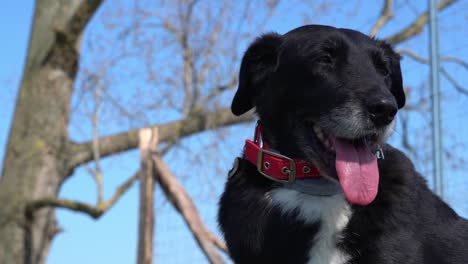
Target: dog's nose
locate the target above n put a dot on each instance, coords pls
(382, 111)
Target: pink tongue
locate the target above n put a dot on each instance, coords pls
(357, 171)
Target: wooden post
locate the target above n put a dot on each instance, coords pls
(148, 145)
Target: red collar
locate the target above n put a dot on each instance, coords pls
(275, 166)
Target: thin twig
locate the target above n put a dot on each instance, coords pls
(443, 71)
(95, 123)
(405, 134)
(215, 92)
(454, 82)
(212, 40)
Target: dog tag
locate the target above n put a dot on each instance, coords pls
(234, 169)
(379, 153)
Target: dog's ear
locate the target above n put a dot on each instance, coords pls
(258, 62)
(395, 74)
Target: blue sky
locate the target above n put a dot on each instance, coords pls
(112, 239)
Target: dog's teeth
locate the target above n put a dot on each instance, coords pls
(320, 136)
(318, 132)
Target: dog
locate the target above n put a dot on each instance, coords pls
(319, 184)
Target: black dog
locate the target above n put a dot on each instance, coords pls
(327, 97)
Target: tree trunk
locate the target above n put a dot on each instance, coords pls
(32, 168)
(36, 162)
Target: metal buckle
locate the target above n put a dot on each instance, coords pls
(292, 165)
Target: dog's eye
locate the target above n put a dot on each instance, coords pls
(326, 59)
(381, 66)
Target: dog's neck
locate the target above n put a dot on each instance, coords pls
(317, 186)
(281, 140)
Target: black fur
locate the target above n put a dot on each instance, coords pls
(312, 76)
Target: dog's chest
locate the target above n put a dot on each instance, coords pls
(333, 212)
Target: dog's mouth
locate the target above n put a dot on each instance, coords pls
(369, 141)
(355, 163)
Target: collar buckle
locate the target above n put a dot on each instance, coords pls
(291, 170)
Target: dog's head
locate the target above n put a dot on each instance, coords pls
(323, 94)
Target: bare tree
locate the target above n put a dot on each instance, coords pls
(187, 50)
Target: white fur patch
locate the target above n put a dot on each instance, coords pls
(389, 130)
(334, 213)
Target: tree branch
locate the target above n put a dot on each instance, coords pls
(70, 19)
(442, 70)
(413, 56)
(421, 59)
(93, 211)
(80, 13)
(385, 15)
(456, 60)
(181, 200)
(416, 26)
(197, 122)
(148, 143)
(77, 206)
